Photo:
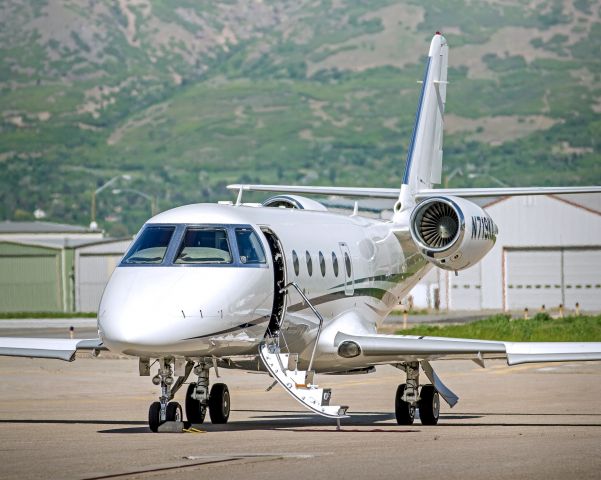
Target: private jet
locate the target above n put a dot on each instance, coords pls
(288, 288)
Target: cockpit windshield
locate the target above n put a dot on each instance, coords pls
(151, 246)
(204, 245)
(181, 245)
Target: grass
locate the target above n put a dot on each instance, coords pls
(18, 315)
(540, 328)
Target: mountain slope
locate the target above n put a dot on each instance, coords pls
(187, 96)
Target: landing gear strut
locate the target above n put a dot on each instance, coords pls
(408, 398)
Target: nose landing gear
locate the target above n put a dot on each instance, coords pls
(164, 410)
(198, 400)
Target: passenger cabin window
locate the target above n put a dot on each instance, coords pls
(322, 264)
(347, 263)
(249, 246)
(295, 263)
(335, 264)
(309, 263)
(204, 245)
(150, 247)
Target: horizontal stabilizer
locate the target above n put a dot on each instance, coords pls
(308, 190)
(504, 191)
(393, 193)
(56, 348)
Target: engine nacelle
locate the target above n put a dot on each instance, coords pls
(294, 201)
(451, 232)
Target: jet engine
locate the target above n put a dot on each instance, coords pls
(294, 201)
(451, 232)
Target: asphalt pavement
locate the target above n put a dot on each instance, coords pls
(87, 419)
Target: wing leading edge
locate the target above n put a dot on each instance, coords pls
(55, 348)
(379, 349)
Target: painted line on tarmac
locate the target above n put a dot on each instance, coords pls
(206, 460)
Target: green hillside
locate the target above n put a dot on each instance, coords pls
(187, 96)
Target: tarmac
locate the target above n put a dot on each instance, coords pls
(87, 419)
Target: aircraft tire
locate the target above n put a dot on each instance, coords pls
(154, 416)
(174, 412)
(429, 405)
(195, 412)
(219, 403)
(404, 411)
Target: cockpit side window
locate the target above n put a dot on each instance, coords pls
(249, 246)
(150, 247)
(204, 245)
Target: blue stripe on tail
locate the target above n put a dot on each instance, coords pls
(415, 126)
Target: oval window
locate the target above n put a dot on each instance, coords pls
(335, 264)
(309, 263)
(347, 263)
(322, 264)
(295, 263)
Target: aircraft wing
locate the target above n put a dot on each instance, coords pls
(393, 193)
(379, 349)
(56, 348)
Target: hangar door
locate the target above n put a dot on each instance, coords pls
(466, 289)
(93, 273)
(535, 277)
(582, 277)
(30, 283)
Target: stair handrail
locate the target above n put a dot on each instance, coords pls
(317, 314)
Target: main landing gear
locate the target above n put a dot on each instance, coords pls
(198, 399)
(408, 398)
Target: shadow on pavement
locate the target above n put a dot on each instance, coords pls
(380, 422)
(74, 422)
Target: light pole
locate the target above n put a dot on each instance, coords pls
(152, 199)
(93, 224)
(448, 177)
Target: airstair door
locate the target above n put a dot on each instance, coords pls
(279, 281)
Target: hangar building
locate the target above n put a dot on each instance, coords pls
(53, 267)
(548, 252)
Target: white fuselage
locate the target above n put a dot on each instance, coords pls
(173, 310)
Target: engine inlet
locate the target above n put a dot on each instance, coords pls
(437, 224)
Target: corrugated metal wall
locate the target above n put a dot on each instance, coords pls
(94, 271)
(30, 278)
(94, 265)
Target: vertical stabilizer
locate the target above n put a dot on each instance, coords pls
(424, 155)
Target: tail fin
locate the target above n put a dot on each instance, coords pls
(424, 156)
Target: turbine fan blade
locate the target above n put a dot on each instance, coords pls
(438, 225)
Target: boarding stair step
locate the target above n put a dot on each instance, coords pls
(283, 367)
